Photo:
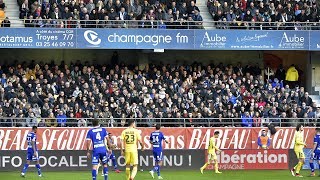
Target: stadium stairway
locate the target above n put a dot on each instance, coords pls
(206, 16)
(316, 95)
(12, 12)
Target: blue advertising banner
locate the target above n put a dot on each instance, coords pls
(135, 39)
(314, 40)
(37, 38)
(159, 39)
(252, 40)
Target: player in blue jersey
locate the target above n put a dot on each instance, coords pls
(156, 139)
(32, 152)
(111, 156)
(98, 136)
(316, 151)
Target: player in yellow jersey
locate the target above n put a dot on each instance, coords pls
(212, 156)
(129, 148)
(298, 149)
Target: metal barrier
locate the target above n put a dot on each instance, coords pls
(167, 122)
(179, 24)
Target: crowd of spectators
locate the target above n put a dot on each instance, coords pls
(265, 15)
(49, 94)
(111, 14)
(180, 14)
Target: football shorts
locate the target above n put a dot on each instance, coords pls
(31, 157)
(131, 158)
(300, 154)
(157, 155)
(99, 156)
(212, 156)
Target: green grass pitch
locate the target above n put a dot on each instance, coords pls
(167, 175)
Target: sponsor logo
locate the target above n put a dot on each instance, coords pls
(253, 159)
(179, 138)
(254, 38)
(16, 41)
(228, 138)
(137, 40)
(213, 41)
(258, 157)
(292, 41)
(92, 37)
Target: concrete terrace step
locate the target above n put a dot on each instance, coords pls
(317, 102)
(9, 6)
(12, 11)
(17, 23)
(10, 1)
(13, 5)
(315, 97)
(204, 12)
(12, 15)
(317, 88)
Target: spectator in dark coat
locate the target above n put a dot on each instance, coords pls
(307, 99)
(192, 8)
(6, 23)
(280, 73)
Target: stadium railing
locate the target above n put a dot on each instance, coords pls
(60, 23)
(150, 122)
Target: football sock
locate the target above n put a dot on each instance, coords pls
(134, 172)
(204, 166)
(25, 168)
(105, 172)
(38, 168)
(114, 163)
(155, 168)
(98, 169)
(94, 174)
(158, 167)
(216, 167)
(299, 166)
(128, 173)
(311, 167)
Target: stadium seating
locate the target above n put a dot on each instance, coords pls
(95, 12)
(262, 15)
(233, 95)
(237, 15)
